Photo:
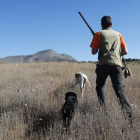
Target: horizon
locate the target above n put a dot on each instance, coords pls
(68, 55)
(28, 27)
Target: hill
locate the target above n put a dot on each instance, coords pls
(41, 56)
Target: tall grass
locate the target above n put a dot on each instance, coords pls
(32, 91)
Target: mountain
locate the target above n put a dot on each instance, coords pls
(42, 56)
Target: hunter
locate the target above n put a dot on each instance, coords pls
(111, 46)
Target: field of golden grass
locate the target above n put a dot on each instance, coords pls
(31, 90)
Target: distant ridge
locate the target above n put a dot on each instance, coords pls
(41, 56)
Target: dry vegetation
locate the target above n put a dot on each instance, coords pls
(28, 91)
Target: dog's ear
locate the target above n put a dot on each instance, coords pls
(77, 75)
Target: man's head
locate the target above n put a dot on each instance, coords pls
(106, 22)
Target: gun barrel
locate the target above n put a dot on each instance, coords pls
(86, 23)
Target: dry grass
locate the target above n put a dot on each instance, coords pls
(28, 91)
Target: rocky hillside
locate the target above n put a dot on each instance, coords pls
(42, 56)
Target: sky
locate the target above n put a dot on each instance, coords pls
(30, 26)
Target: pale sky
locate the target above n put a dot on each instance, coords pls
(29, 26)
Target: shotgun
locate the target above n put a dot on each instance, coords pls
(87, 24)
(93, 33)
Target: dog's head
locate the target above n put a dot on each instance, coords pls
(71, 94)
(77, 75)
(71, 97)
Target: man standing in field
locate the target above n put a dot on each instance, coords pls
(111, 46)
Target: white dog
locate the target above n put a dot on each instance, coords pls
(81, 79)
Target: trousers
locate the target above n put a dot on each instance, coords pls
(115, 73)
